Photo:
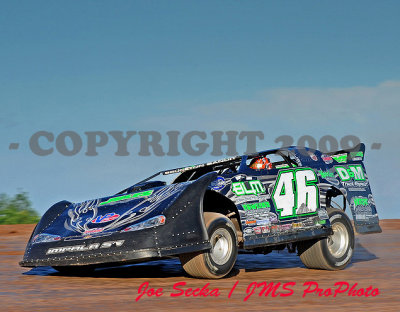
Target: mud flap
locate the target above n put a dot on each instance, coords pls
(368, 228)
(363, 209)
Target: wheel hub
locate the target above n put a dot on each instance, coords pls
(221, 246)
(339, 240)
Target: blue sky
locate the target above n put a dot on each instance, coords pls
(281, 67)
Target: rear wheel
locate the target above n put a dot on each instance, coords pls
(219, 260)
(333, 252)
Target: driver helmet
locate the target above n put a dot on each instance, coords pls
(261, 163)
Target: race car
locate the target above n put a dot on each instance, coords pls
(293, 197)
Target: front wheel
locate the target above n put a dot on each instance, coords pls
(219, 260)
(333, 252)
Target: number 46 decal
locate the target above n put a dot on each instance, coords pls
(296, 193)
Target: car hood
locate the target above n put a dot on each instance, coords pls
(114, 213)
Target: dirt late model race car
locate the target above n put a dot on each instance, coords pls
(289, 197)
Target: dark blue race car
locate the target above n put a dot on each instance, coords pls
(288, 197)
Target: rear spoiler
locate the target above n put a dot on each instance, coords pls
(355, 153)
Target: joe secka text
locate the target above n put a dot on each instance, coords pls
(260, 289)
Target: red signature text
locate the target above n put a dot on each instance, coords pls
(339, 288)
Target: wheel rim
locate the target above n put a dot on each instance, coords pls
(221, 246)
(339, 240)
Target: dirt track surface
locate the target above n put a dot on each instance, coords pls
(375, 263)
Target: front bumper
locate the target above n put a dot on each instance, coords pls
(116, 248)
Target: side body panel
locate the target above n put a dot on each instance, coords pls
(263, 220)
(288, 204)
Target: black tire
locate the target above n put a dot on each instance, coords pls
(217, 262)
(333, 252)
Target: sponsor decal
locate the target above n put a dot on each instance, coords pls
(256, 206)
(183, 169)
(369, 217)
(357, 189)
(326, 174)
(363, 207)
(285, 227)
(262, 229)
(357, 155)
(248, 230)
(218, 184)
(250, 198)
(273, 218)
(322, 214)
(357, 185)
(150, 223)
(354, 172)
(251, 222)
(45, 238)
(93, 231)
(296, 225)
(265, 229)
(309, 222)
(106, 218)
(261, 214)
(257, 230)
(239, 177)
(274, 229)
(327, 159)
(84, 247)
(340, 158)
(313, 156)
(253, 187)
(282, 166)
(263, 222)
(361, 201)
(126, 197)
